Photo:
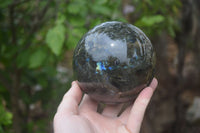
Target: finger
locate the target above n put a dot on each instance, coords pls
(113, 110)
(88, 104)
(154, 83)
(71, 100)
(125, 115)
(139, 107)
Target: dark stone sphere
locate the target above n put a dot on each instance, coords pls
(113, 62)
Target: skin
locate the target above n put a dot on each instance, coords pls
(78, 115)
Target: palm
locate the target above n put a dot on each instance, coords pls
(83, 118)
(105, 122)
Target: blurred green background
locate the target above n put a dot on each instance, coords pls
(37, 38)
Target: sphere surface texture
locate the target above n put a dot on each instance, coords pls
(113, 62)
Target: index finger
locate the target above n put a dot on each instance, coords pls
(71, 100)
(139, 107)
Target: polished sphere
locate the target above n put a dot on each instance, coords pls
(113, 62)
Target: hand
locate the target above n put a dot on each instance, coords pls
(76, 116)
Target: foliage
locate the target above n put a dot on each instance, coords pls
(34, 38)
(155, 16)
(56, 35)
(84, 15)
(5, 118)
(5, 115)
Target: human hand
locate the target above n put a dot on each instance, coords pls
(77, 115)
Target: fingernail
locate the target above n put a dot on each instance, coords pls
(154, 83)
(73, 83)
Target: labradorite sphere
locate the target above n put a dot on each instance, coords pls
(113, 62)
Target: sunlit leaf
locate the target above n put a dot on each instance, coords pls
(61, 19)
(55, 38)
(5, 116)
(150, 20)
(37, 58)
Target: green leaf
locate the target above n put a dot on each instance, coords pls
(61, 19)
(71, 42)
(171, 31)
(23, 58)
(95, 22)
(77, 22)
(74, 36)
(5, 3)
(55, 38)
(101, 2)
(73, 8)
(37, 58)
(104, 10)
(150, 20)
(5, 116)
(76, 7)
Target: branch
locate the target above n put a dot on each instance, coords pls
(12, 19)
(38, 20)
(12, 25)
